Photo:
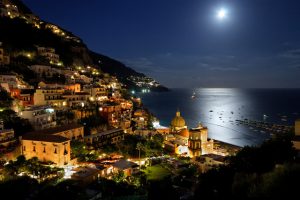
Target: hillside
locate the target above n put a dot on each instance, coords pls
(22, 32)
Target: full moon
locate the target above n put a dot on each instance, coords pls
(221, 14)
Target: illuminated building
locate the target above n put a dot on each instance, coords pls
(296, 139)
(140, 116)
(106, 137)
(51, 144)
(73, 87)
(24, 96)
(76, 99)
(10, 79)
(49, 97)
(96, 91)
(129, 168)
(48, 53)
(47, 148)
(8, 9)
(177, 123)
(111, 112)
(7, 136)
(40, 117)
(191, 142)
(198, 143)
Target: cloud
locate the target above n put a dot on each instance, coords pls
(219, 63)
(294, 53)
(224, 68)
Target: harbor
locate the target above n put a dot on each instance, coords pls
(265, 127)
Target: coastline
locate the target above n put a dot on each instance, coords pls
(227, 106)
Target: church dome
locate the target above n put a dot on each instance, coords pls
(178, 121)
(184, 133)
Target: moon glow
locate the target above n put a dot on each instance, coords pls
(222, 14)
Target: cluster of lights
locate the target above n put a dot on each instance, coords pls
(145, 90)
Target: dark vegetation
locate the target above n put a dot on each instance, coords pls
(255, 172)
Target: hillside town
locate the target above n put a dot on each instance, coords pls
(82, 124)
(63, 121)
(89, 127)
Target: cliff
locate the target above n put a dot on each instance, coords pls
(23, 31)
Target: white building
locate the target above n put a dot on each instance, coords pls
(10, 79)
(41, 117)
(96, 92)
(49, 97)
(43, 70)
(77, 98)
(49, 53)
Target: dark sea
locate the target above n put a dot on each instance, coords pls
(219, 108)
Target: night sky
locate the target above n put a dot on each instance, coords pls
(181, 43)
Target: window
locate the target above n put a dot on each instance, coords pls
(65, 152)
(44, 150)
(24, 148)
(34, 148)
(55, 150)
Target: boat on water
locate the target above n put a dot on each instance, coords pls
(194, 95)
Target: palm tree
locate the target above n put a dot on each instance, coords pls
(139, 146)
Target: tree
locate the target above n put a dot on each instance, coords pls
(119, 176)
(5, 99)
(12, 121)
(78, 148)
(18, 188)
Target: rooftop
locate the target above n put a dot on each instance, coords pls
(108, 132)
(32, 108)
(82, 172)
(124, 164)
(51, 131)
(44, 138)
